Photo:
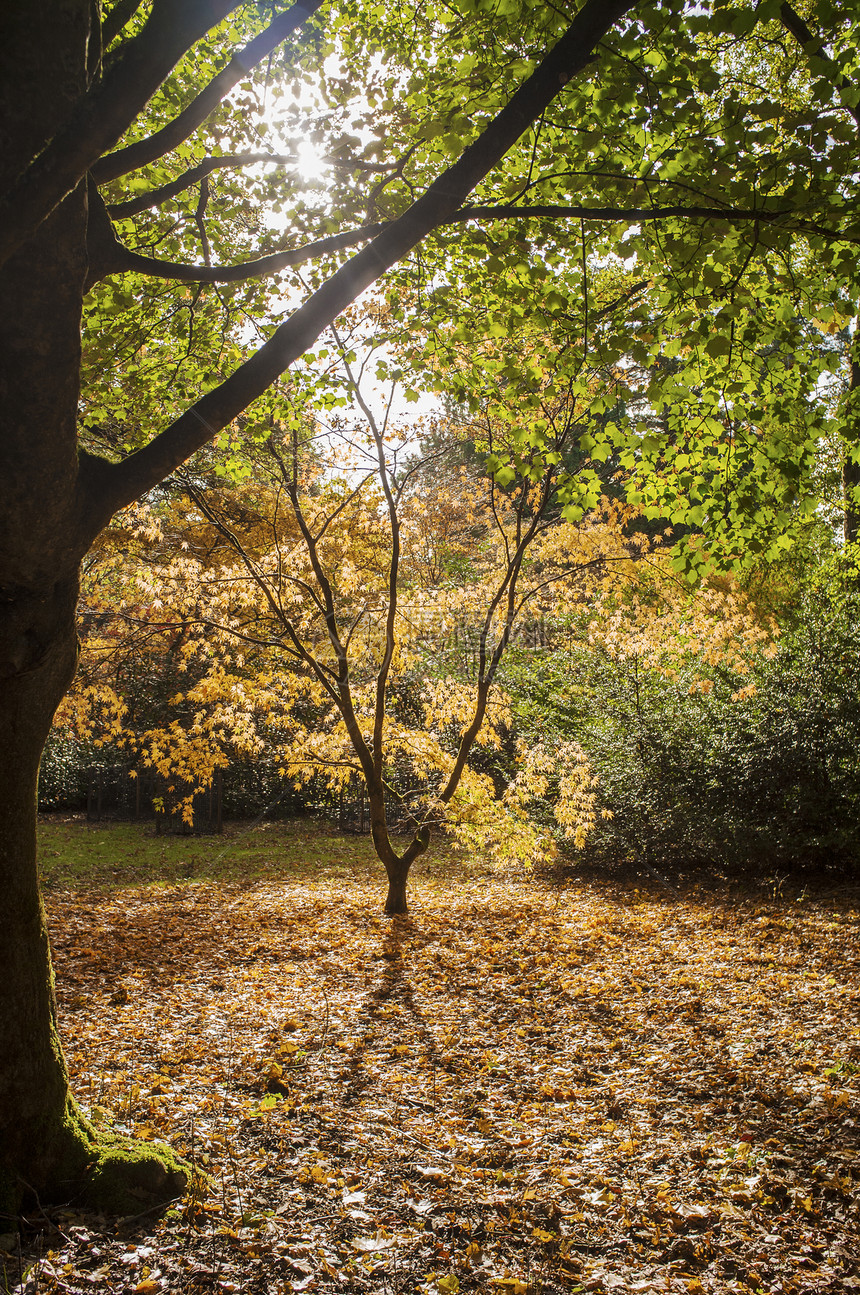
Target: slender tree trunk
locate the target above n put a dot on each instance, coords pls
(850, 487)
(396, 867)
(851, 438)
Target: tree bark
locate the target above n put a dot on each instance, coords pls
(43, 1143)
(48, 1149)
(850, 466)
(395, 901)
(47, 1146)
(396, 868)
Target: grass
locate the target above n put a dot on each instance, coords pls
(108, 856)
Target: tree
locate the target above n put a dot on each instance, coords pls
(345, 606)
(716, 173)
(76, 87)
(66, 107)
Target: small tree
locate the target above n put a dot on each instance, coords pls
(360, 609)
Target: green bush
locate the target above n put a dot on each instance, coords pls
(694, 773)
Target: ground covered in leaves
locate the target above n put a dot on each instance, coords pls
(527, 1086)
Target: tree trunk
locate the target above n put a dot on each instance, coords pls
(42, 1140)
(395, 900)
(396, 868)
(47, 1147)
(850, 467)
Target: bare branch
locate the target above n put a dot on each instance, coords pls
(343, 695)
(175, 132)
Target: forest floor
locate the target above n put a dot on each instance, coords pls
(526, 1086)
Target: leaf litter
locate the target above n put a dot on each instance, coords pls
(521, 1088)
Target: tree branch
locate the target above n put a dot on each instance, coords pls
(103, 114)
(636, 214)
(175, 132)
(124, 259)
(120, 14)
(264, 585)
(115, 258)
(156, 197)
(106, 487)
(394, 563)
(813, 47)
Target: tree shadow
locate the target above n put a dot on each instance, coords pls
(394, 986)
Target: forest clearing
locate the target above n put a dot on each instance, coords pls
(569, 1083)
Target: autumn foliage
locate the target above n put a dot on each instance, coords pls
(576, 1087)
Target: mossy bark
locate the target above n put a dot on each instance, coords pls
(47, 1146)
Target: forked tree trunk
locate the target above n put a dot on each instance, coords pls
(396, 866)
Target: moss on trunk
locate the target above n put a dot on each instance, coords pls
(48, 1148)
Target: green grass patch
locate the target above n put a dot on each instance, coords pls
(108, 856)
(75, 853)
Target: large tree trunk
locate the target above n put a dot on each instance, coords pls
(47, 1147)
(43, 1144)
